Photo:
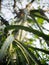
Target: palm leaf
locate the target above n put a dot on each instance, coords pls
(42, 50)
(5, 46)
(29, 29)
(40, 16)
(29, 53)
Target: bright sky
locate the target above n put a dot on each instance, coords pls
(7, 9)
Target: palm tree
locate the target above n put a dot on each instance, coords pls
(16, 48)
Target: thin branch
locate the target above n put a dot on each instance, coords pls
(14, 7)
(4, 21)
(0, 5)
(14, 4)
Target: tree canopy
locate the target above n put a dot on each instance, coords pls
(24, 32)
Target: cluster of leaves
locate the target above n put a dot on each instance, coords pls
(15, 51)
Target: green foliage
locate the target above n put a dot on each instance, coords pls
(40, 21)
(38, 14)
(17, 51)
(36, 32)
(5, 46)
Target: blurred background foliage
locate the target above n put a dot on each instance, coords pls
(24, 32)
